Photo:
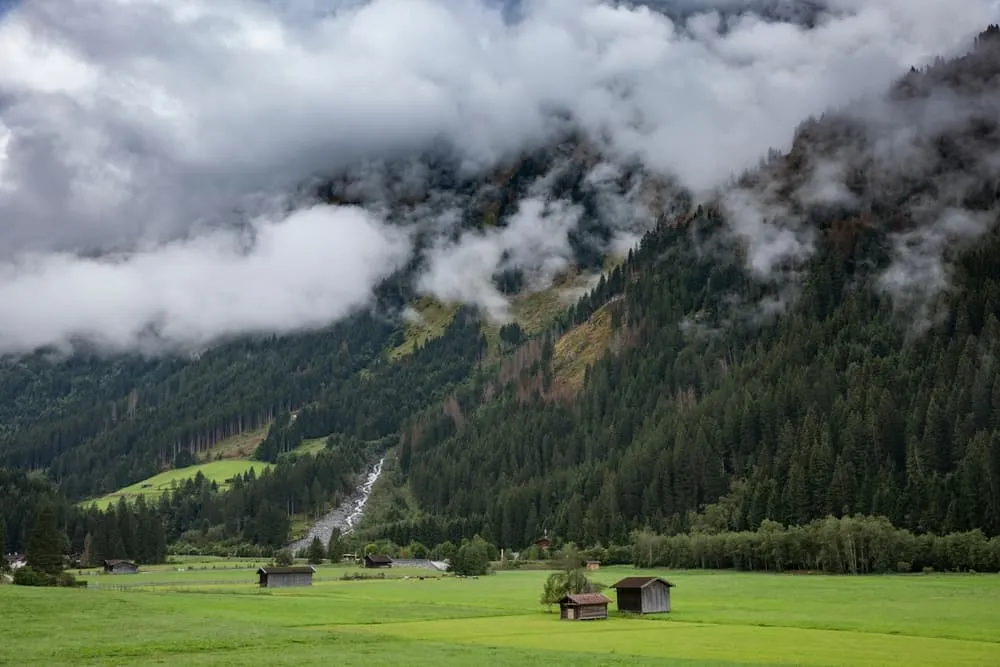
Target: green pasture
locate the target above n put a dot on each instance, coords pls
(153, 487)
(205, 616)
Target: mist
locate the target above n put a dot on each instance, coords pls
(138, 139)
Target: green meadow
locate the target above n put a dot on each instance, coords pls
(210, 612)
(153, 487)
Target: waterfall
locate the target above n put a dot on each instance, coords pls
(345, 516)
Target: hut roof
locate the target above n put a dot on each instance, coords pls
(585, 598)
(379, 558)
(298, 569)
(640, 582)
(117, 561)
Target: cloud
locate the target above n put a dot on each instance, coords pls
(316, 265)
(536, 241)
(146, 126)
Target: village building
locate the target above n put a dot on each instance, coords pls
(285, 577)
(583, 607)
(120, 567)
(544, 543)
(593, 565)
(378, 560)
(643, 595)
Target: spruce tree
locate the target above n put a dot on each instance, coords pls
(335, 548)
(316, 552)
(45, 544)
(3, 546)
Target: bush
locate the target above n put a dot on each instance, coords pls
(283, 558)
(26, 576)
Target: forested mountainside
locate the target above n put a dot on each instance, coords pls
(854, 374)
(98, 423)
(819, 337)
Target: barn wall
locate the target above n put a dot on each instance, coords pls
(288, 580)
(629, 600)
(591, 611)
(655, 598)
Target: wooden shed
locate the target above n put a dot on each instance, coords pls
(120, 567)
(643, 595)
(583, 607)
(378, 561)
(285, 577)
(593, 565)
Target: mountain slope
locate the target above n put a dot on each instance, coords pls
(838, 359)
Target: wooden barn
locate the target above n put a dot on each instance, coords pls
(120, 567)
(378, 561)
(643, 595)
(583, 607)
(286, 577)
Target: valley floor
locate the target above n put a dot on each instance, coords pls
(212, 614)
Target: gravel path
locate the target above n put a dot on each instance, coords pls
(346, 516)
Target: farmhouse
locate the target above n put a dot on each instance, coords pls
(284, 577)
(643, 595)
(544, 543)
(120, 567)
(583, 607)
(378, 561)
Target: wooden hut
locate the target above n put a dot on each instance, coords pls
(583, 607)
(593, 565)
(285, 577)
(378, 561)
(120, 567)
(643, 595)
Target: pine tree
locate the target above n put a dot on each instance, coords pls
(46, 543)
(86, 558)
(316, 551)
(335, 548)
(3, 546)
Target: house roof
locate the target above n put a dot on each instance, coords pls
(379, 558)
(640, 582)
(585, 598)
(298, 569)
(117, 561)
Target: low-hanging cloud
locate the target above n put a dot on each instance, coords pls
(318, 264)
(146, 126)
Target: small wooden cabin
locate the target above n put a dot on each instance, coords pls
(583, 607)
(643, 595)
(285, 577)
(378, 561)
(543, 543)
(120, 567)
(593, 565)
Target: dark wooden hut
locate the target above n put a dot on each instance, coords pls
(583, 607)
(120, 567)
(378, 561)
(285, 577)
(643, 595)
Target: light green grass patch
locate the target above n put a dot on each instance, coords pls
(719, 618)
(153, 487)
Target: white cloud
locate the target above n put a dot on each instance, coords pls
(135, 123)
(317, 265)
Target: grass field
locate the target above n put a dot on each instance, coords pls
(206, 616)
(152, 487)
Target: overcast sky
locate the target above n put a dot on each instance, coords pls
(140, 126)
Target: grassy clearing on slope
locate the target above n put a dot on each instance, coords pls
(580, 348)
(153, 487)
(719, 618)
(240, 446)
(433, 317)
